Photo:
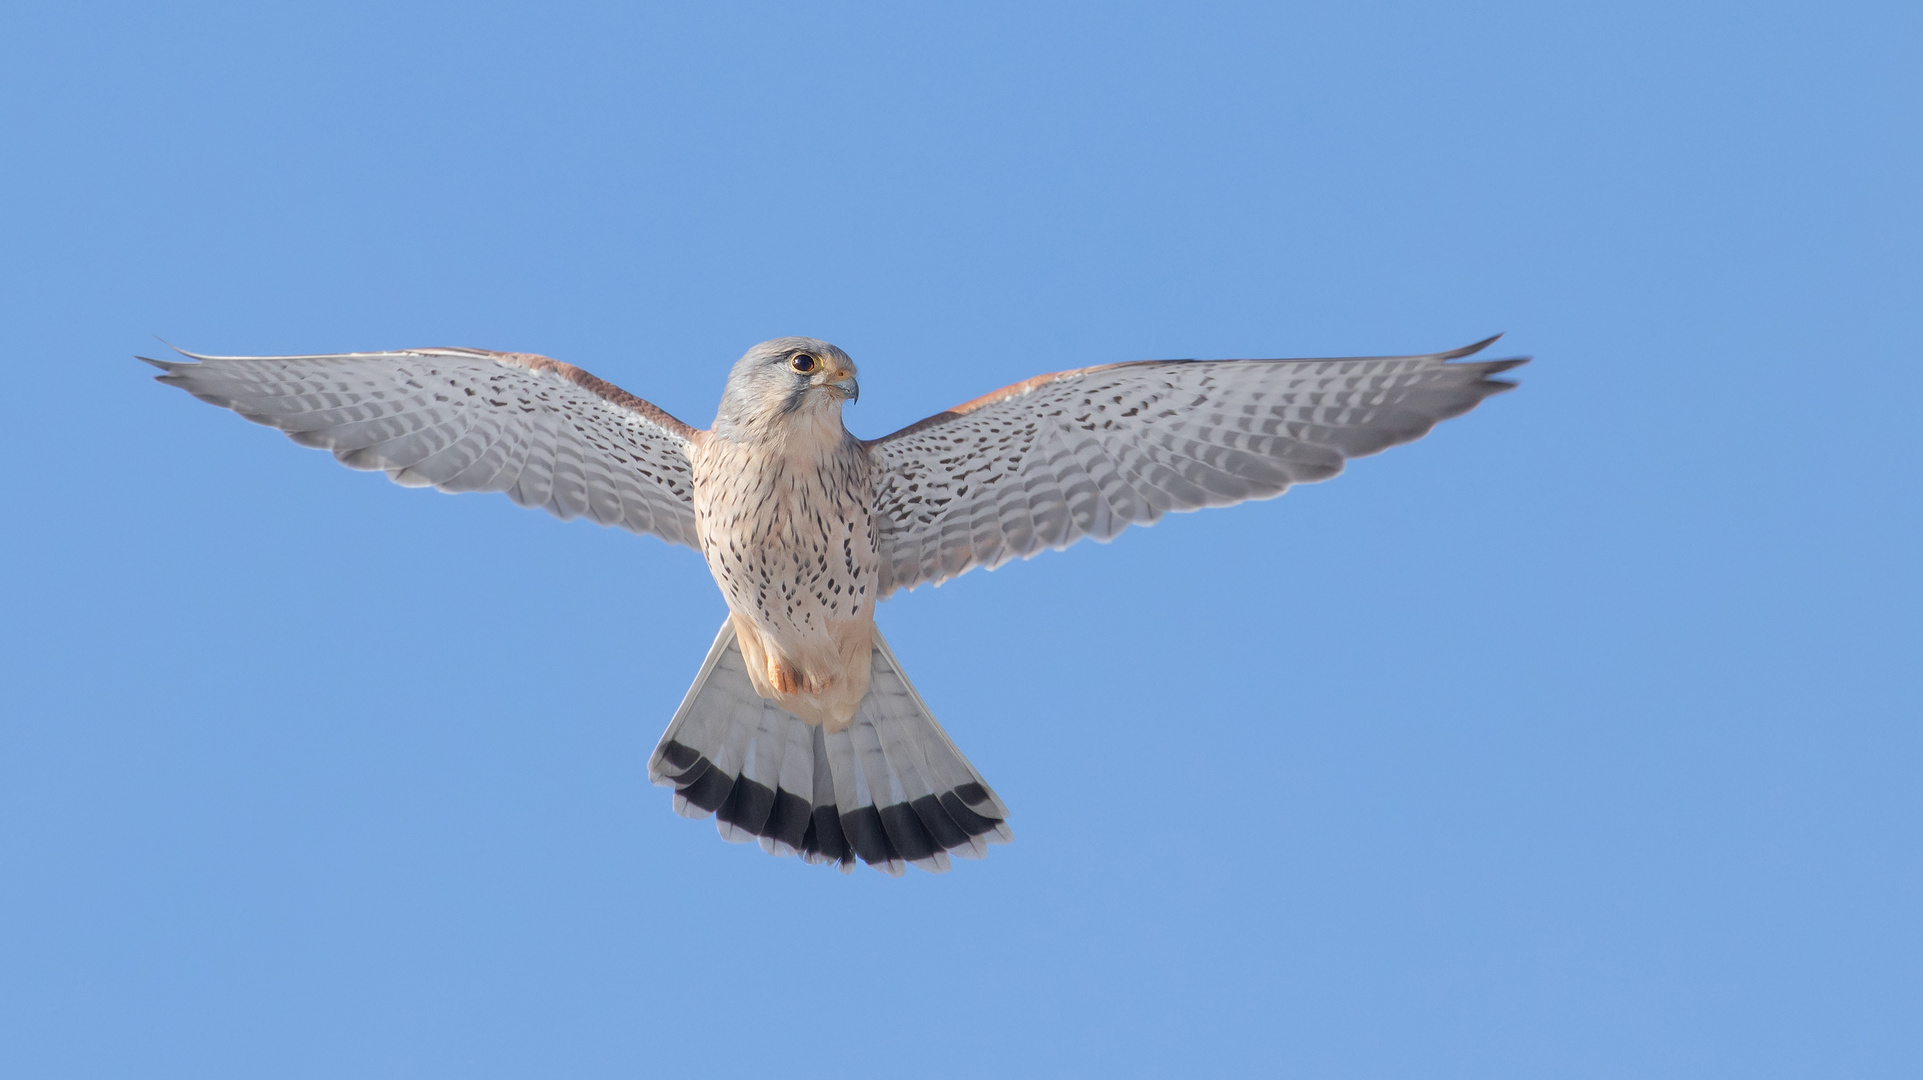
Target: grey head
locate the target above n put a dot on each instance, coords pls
(782, 381)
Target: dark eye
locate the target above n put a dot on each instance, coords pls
(804, 362)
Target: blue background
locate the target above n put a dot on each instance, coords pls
(1580, 739)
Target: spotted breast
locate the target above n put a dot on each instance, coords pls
(787, 526)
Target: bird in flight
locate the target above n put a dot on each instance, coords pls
(801, 730)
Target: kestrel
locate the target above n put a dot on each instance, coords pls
(801, 730)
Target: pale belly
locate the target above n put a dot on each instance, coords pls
(792, 547)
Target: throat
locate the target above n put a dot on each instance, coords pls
(813, 432)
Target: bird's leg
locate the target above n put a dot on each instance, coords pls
(765, 668)
(774, 675)
(790, 679)
(782, 675)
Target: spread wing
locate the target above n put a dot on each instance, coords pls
(1043, 463)
(548, 434)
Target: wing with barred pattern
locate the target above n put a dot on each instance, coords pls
(547, 434)
(1086, 453)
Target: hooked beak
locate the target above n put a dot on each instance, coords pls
(845, 385)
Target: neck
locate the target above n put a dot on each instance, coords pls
(813, 427)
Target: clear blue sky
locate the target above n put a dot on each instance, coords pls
(1580, 739)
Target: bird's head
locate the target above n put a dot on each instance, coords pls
(784, 381)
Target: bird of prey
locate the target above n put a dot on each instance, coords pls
(801, 730)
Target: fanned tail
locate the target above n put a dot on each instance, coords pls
(891, 789)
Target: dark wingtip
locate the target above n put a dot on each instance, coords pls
(1491, 367)
(189, 355)
(1491, 387)
(1471, 350)
(169, 365)
(1483, 369)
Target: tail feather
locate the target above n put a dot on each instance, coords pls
(786, 829)
(890, 790)
(744, 816)
(824, 841)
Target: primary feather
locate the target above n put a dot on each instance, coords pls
(1046, 462)
(548, 434)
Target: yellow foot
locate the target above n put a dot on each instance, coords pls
(782, 676)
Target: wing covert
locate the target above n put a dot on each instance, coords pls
(1086, 453)
(545, 433)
